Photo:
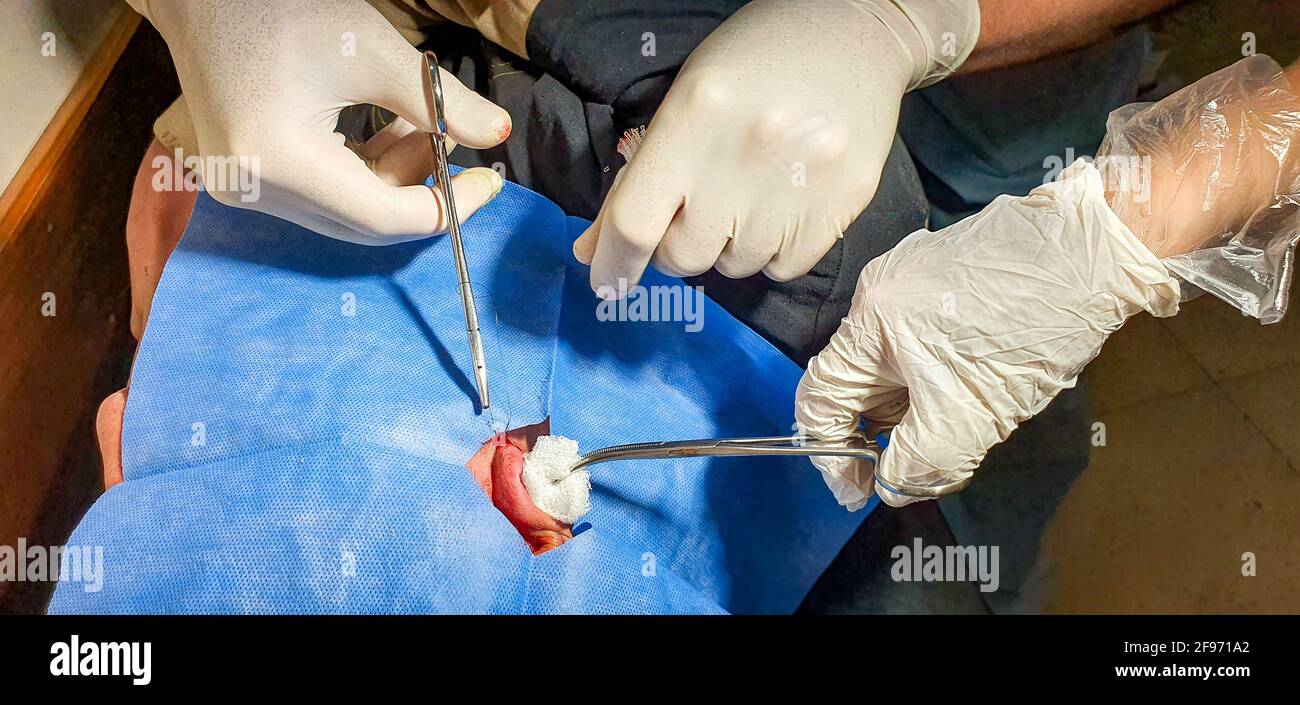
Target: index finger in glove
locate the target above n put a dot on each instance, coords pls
(942, 438)
(634, 218)
(841, 383)
(398, 85)
(339, 196)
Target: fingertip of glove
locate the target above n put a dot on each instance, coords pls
(504, 127)
(488, 126)
(500, 126)
(498, 183)
(891, 498)
(584, 247)
(488, 181)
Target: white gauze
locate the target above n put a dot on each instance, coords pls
(551, 481)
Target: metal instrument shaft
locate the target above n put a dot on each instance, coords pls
(442, 175)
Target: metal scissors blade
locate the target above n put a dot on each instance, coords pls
(442, 177)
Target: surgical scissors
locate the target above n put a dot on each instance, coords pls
(442, 175)
(857, 445)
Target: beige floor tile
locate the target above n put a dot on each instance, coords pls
(1142, 361)
(1228, 344)
(1271, 400)
(1159, 521)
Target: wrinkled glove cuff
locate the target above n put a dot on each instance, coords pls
(1145, 284)
(939, 34)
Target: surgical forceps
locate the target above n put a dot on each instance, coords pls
(857, 445)
(442, 175)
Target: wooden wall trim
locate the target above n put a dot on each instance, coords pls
(57, 366)
(24, 193)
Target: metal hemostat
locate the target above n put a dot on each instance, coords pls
(855, 446)
(442, 175)
(859, 445)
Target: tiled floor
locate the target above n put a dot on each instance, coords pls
(1200, 465)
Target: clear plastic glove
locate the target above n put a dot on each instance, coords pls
(962, 334)
(772, 138)
(265, 81)
(1209, 179)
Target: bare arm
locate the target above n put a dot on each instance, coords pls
(1015, 31)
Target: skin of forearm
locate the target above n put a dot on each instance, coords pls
(1194, 201)
(1019, 31)
(1197, 194)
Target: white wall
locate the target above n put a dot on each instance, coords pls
(32, 84)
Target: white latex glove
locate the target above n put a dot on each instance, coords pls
(968, 331)
(772, 138)
(266, 81)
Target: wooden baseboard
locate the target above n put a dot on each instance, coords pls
(23, 194)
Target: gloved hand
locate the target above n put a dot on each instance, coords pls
(265, 81)
(772, 138)
(966, 332)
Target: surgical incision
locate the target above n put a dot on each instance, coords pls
(498, 467)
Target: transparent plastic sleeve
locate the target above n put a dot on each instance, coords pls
(1209, 180)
